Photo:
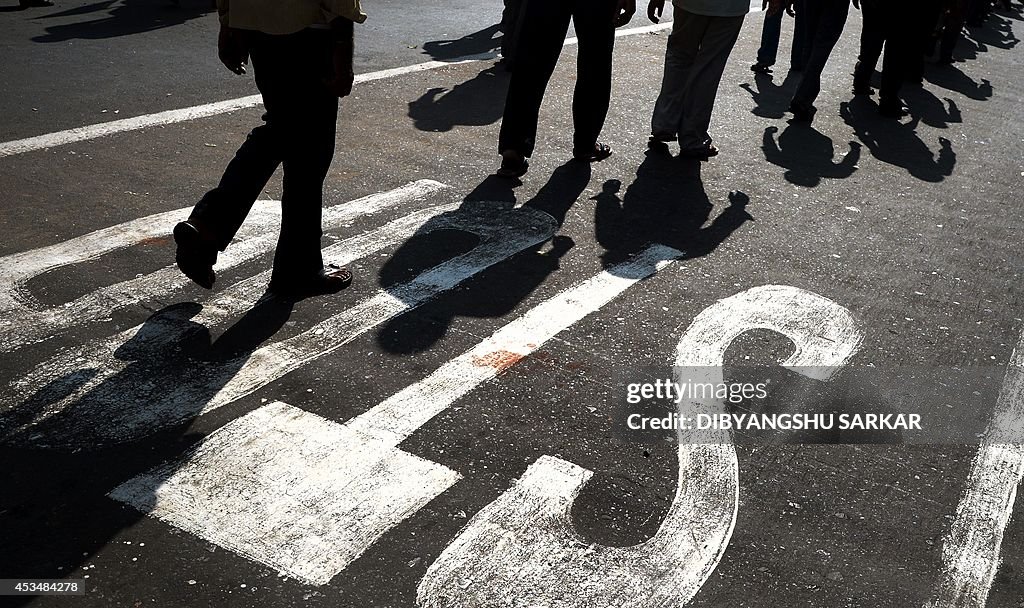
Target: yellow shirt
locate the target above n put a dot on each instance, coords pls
(286, 16)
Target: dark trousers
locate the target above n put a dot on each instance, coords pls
(771, 32)
(298, 133)
(544, 27)
(698, 50)
(823, 22)
(886, 25)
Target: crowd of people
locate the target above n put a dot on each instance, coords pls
(303, 52)
(703, 35)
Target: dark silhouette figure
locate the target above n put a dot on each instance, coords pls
(771, 99)
(124, 18)
(666, 204)
(54, 511)
(478, 43)
(897, 143)
(951, 78)
(476, 102)
(824, 21)
(494, 292)
(807, 155)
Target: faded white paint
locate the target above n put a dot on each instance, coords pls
(24, 321)
(288, 489)
(522, 550)
(971, 549)
(240, 488)
(116, 405)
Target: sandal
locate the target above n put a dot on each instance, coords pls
(699, 153)
(330, 280)
(513, 165)
(596, 154)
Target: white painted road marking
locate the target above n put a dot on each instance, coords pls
(127, 399)
(288, 489)
(23, 321)
(306, 496)
(61, 138)
(522, 550)
(971, 550)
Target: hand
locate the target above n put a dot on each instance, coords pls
(344, 76)
(791, 8)
(232, 49)
(654, 10)
(624, 11)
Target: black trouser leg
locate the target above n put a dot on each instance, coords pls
(592, 96)
(540, 43)
(872, 38)
(826, 21)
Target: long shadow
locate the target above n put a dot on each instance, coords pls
(897, 143)
(478, 102)
(666, 204)
(492, 293)
(952, 78)
(477, 43)
(807, 155)
(123, 18)
(54, 511)
(771, 100)
(997, 32)
(931, 110)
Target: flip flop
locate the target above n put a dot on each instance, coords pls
(597, 154)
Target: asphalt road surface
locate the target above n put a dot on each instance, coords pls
(447, 432)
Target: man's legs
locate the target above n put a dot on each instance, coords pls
(827, 20)
(771, 31)
(683, 44)
(544, 27)
(705, 76)
(596, 32)
(801, 44)
(872, 37)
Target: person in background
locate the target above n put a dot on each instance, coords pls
(302, 56)
(771, 32)
(889, 27)
(703, 35)
(544, 26)
(824, 22)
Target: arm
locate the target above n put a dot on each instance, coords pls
(344, 49)
(231, 47)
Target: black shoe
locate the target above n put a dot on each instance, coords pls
(331, 279)
(702, 153)
(892, 110)
(659, 145)
(802, 112)
(594, 154)
(761, 68)
(513, 165)
(195, 256)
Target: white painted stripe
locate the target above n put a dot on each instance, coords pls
(61, 138)
(971, 549)
(239, 488)
(522, 549)
(283, 487)
(126, 399)
(23, 321)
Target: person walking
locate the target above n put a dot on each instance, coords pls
(824, 21)
(542, 36)
(704, 33)
(771, 33)
(885, 26)
(301, 53)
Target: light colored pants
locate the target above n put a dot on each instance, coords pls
(698, 50)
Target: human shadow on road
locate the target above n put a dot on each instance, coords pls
(897, 143)
(477, 43)
(495, 291)
(952, 78)
(665, 204)
(929, 109)
(124, 18)
(771, 99)
(58, 468)
(807, 155)
(479, 101)
(997, 32)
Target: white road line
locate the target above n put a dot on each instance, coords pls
(61, 138)
(23, 321)
(309, 507)
(971, 550)
(522, 549)
(142, 380)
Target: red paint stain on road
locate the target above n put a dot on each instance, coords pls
(499, 360)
